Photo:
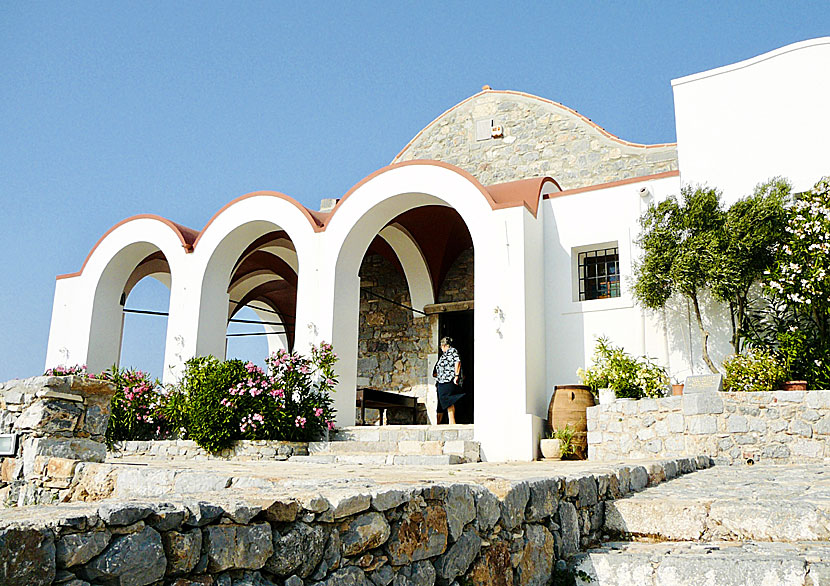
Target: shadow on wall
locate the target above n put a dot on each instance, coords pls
(684, 338)
(564, 328)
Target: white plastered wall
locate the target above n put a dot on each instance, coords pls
(572, 223)
(744, 123)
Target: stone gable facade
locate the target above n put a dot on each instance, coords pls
(540, 138)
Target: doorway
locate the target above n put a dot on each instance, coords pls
(459, 326)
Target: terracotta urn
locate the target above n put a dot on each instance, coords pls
(794, 385)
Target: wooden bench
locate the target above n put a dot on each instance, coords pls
(377, 399)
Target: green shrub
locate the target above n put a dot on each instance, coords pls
(753, 371)
(201, 407)
(630, 377)
(219, 402)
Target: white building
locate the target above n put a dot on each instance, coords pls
(508, 221)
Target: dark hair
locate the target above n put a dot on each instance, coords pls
(446, 341)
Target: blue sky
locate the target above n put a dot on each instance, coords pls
(110, 109)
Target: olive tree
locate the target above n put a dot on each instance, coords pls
(682, 243)
(753, 229)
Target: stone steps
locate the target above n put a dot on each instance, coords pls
(723, 504)
(717, 563)
(407, 445)
(725, 526)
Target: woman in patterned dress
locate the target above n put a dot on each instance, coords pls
(447, 373)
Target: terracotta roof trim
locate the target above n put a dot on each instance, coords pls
(598, 186)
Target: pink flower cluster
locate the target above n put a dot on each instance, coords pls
(251, 421)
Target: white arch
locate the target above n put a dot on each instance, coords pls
(356, 221)
(87, 317)
(219, 248)
(414, 265)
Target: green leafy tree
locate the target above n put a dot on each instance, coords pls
(752, 229)
(683, 243)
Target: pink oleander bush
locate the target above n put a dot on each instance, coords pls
(137, 407)
(75, 370)
(218, 402)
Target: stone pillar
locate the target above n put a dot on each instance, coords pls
(59, 421)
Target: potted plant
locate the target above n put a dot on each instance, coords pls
(551, 448)
(676, 387)
(629, 377)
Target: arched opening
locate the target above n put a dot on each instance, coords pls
(256, 265)
(420, 256)
(145, 301)
(126, 272)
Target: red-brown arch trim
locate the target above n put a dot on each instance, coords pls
(315, 222)
(186, 236)
(503, 195)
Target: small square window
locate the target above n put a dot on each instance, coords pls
(599, 274)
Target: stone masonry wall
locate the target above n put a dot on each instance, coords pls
(458, 285)
(504, 534)
(60, 421)
(540, 138)
(393, 346)
(779, 426)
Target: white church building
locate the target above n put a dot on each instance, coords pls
(508, 222)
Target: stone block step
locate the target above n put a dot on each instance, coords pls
(703, 564)
(404, 433)
(380, 459)
(729, 503)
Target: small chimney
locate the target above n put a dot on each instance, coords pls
(327, 204)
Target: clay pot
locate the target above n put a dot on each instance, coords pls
(567, 407)
(677, 390)
(551, 449)
(794, 385)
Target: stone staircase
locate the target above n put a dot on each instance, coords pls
(726, 526)
(407, 445)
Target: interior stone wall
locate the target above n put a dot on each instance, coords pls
(393, 345)
(541, 138)
(458, 284)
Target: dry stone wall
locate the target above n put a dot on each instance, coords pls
(59, 422)
(509, 533)
(541, 138)
(778, 426)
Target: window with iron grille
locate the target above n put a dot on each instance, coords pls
(599, 274)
